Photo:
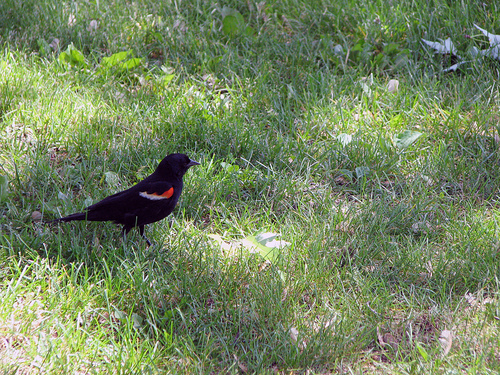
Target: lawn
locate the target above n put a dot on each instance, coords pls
(344, 218)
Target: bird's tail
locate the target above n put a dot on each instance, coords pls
(77, 216)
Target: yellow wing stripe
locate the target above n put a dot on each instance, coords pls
(155, 196)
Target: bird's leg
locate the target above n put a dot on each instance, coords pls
(141, 232)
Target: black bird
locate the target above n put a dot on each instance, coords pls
(151, 200)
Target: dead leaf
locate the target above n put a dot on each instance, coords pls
(445, 47)
(36, 216)
(421, 226)
(446, 340)
(71, 20)
(92, 26)
(494, 51)
(393, 85)
(294, 334)
(470, 298)
(387, 339)
(54, 44)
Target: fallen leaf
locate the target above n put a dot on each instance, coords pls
(92, 26)
(406, 139)
(71, 20)
(54, 44)
(121, 315)
(338, 50)
(223, 244)
(387, 339)
(362, 171)
(294, 333)
(470, 298)
(494, 51)
(454, 67)
(112, 179)
(393, 85)
(137, 320)
(268, 239)
(36, 216)
(445, 47)
(421, 226)
(446, 340)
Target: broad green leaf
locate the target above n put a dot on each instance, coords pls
(120, 314)
(406, 139)
(4, 186)
(137, 321)
(77, 56)
(268, 239)
(231, 168)
(115, 58)
(167, 78)
(226, 11)
(391, 48)
(72, 56)
(64, 57)
(251, 244)
(132, 63)
(43, 47)
(263, 238)
(249, 31)
(265, 244)
(230, 25)
(233, 23)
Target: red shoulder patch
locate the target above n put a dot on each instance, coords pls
(168, 193)
(156, 196)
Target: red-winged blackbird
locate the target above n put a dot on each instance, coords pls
(152, 199)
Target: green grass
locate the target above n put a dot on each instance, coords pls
(383, 240)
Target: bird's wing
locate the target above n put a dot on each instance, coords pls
(158, 191)
(137, 196)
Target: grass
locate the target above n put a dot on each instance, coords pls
(388, 246)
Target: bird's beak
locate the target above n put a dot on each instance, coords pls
(192, 163)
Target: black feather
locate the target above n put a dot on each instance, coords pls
(143, 203)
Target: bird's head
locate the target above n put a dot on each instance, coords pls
(176, 164)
